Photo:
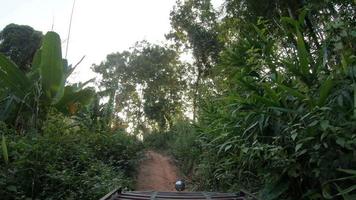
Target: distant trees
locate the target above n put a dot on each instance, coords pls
(19, 43)
(145, 85)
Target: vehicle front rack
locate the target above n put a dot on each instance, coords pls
(137, 195)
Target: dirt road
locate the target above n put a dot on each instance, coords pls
(157, 172)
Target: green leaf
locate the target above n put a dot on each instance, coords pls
(344, 63)
(348, 171)
(325, 91)
(82, 85)
(290, 21)
(36, 62)
(306, 139)
(12, 78)
(293, 92)
(51, 68)
(354, 86)
(265, 101)
(298, 146)
(324, 125)
(34, 74)
(68, 69)
(274, 190)
(302, 54)
(286, 110)
(73, 98)
(4, 149)
(302, 15)
(340, 141)
(7, 108)
(326, 192)
(271, 93)
(294, 136)
(345, 191)
(324, 135)
(11, 188)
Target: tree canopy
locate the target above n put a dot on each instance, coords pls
(145, 84)
(20, 43)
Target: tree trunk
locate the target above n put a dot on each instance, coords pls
(196, 94)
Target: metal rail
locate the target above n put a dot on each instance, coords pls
(141, 195)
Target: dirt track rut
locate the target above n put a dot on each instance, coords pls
(157, 172)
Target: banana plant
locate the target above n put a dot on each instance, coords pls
(73, 98)
(45, 82)
(4, 149)
(51, 68)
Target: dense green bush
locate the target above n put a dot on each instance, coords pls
(284, 124)
(64, 162)
(119, 150)
(184, 146)
(181, 141)
(280, 117)
(157, 140)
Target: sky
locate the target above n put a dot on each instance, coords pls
(99, 27)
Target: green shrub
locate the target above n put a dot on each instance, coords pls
(283, 125)
(66, 163)
(184, 146)
(157, 140)
(119, 150)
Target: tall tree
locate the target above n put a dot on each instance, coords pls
(144, 85)
(114, 71)
(159, 73)
(194, 25)
(19, 43)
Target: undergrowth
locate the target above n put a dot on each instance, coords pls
(66, 162)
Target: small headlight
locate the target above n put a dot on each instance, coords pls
(180, 185)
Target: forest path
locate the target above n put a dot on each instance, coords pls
(157, 172)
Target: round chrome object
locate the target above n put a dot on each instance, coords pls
(180, 185)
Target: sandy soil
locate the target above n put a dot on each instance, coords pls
(156, 173)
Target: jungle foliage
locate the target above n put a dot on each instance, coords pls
(66, 163)
(53, 142)
(278, 117)
(26, 97)
(267, 104)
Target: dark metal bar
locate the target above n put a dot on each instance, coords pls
(111, 194)
(148, 195)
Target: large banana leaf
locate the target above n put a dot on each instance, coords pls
(73, 99)
(51, 71)
(34, 74)
(51, 68)
(14, 87)
(12, 78)
(6, 107)
(4, 149)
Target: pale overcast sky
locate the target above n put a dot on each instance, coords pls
(99, 27)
